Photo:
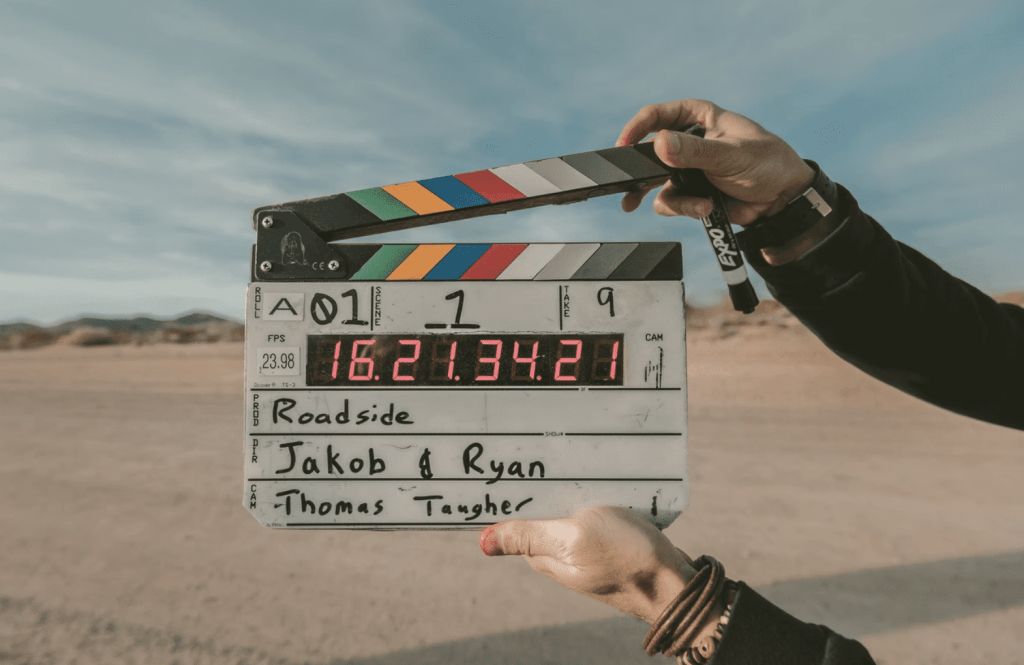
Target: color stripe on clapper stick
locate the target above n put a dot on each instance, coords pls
(533, 262)
(497, 190)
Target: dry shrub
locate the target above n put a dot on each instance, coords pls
(88, 336)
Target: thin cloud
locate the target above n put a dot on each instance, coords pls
(135, 138)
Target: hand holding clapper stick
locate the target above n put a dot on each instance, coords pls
(719, 229)
(557, 180)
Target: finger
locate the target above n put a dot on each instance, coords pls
(670, 202)
(667, 115)
(739, 213)
(489, 542)
(685, 206)
(633, 198)
(526, 537)
(685, 151)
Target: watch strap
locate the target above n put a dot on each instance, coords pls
(815, 203)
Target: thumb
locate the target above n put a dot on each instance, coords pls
(526, 537)
(685, 151)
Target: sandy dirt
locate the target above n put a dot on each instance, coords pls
(124, 539)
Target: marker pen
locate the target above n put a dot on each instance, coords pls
(693, 182)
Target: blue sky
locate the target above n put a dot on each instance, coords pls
(137, 137)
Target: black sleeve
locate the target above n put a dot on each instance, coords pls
(895, 314)
(759, 633)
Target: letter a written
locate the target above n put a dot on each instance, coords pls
(283, 304)
(287, 306)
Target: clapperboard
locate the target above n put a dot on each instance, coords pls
(447, 385)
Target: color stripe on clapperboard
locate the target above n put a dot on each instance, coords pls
(574, 261)
(505, 183)
(537, 261)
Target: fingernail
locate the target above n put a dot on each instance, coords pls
(489, 541)
(673, 142)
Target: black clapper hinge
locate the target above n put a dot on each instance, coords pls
(288, 250)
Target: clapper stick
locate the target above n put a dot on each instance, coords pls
(312, 223)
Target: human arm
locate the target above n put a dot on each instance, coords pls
(895, 314)
(614, 556)
(877, 303)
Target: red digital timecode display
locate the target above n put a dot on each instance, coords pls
(482, 360)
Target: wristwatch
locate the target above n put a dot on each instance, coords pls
(820, 200)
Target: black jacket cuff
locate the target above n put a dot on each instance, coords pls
(759, 632)
(831, 263)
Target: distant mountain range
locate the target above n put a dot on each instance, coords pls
(197, 327)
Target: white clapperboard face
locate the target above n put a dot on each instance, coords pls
(455, 386)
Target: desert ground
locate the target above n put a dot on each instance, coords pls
(124, 538)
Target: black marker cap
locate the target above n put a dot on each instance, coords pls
(744, 298)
